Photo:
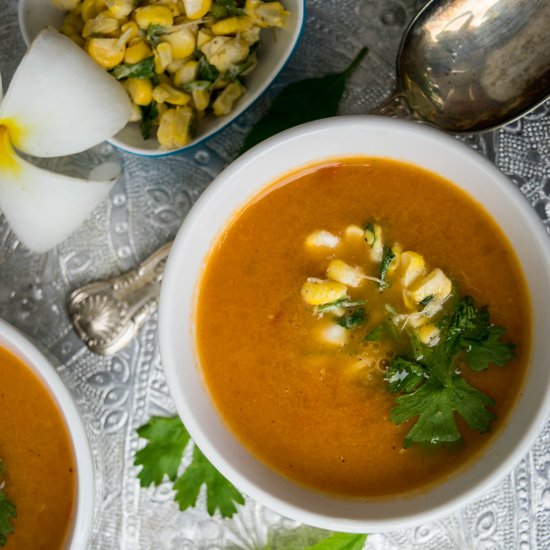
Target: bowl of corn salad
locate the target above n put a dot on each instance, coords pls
(190, 67)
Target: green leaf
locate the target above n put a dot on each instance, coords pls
(384, 330)
(405, 376)
(353, 319)
(162, 456)
(225, 8)
(435, 404)
(387, 258)
(220, 494)
(206, 71)
(480, 354)
(426, 300)
(167, 439)
(302, 101)
(149, 115)
(154, 33)
(7, 513)
(142, 69)
(341, 541)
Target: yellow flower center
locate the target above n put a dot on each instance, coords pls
(8, 159)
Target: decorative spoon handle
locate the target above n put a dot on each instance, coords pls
(107, 314)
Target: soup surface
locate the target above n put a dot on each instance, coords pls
(305, 385)
(36, 452)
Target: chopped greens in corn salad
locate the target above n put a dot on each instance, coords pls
(177, 59)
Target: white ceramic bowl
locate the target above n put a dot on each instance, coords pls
(83, 513)
(233, 188)
(274, 52)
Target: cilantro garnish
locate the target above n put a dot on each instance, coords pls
(354, 318)
(149, 114)
(387, 258)
(382, 331)
(142, 69)
(433, 388)
(154, 33)
(426, 300)
(225, 8)
(7, 513)
(162, 456)
(340, 303)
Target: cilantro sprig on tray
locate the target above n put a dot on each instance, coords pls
(162, 457)
(7, 512)
(430, 383)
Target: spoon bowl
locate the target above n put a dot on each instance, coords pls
(473, 65)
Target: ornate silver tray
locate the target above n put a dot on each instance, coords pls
(117, 394)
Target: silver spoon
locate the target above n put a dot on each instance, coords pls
(463, 65)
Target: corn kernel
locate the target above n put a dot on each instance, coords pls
(412, 266)
(100, 5)
(132, 27)
(429, 335)
(332, 334)
(153, 15)
(187, 73)
(88, 10)
(183, 42)
(120, 8)
(322, 238)
(164, 93)
(373, 237)
(102, 24)
(353, 233)
(224, 52)
(225, 101)
(341, 272)
(435, 284)
(106, 51)
(163, 57)
(316, 292)
(231, 25)
(78, 40)
(137, 51)
(195, 9)
(140, 90)
(203, 36)
(270, 14)
(135, 115)
(175, 128)
(201, 99)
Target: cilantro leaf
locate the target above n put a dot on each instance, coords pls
(162, 456)
(353, 319)
(299, 102)
(220, 494)
(492, 350)
(206, 71)
(149, 115)
(341, 541)
(433, 405)
(225, 8)
(426, 300)
(382, 331)
(154, 33)
(405, 376)
(387, 258)
(167, 439)
(142, 69)
(7, 512)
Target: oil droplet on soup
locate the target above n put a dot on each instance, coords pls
(37, 456)
(307, 273)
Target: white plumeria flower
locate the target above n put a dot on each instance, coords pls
(58, 103)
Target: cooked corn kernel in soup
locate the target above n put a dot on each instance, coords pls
(363, 327)
(37, 458)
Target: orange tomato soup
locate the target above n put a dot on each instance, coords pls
(37, 456)
(295, 403)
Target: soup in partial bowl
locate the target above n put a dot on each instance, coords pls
(47, 473)
(351, 324)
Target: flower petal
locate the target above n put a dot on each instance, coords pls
(60, 101)
(41, 207)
